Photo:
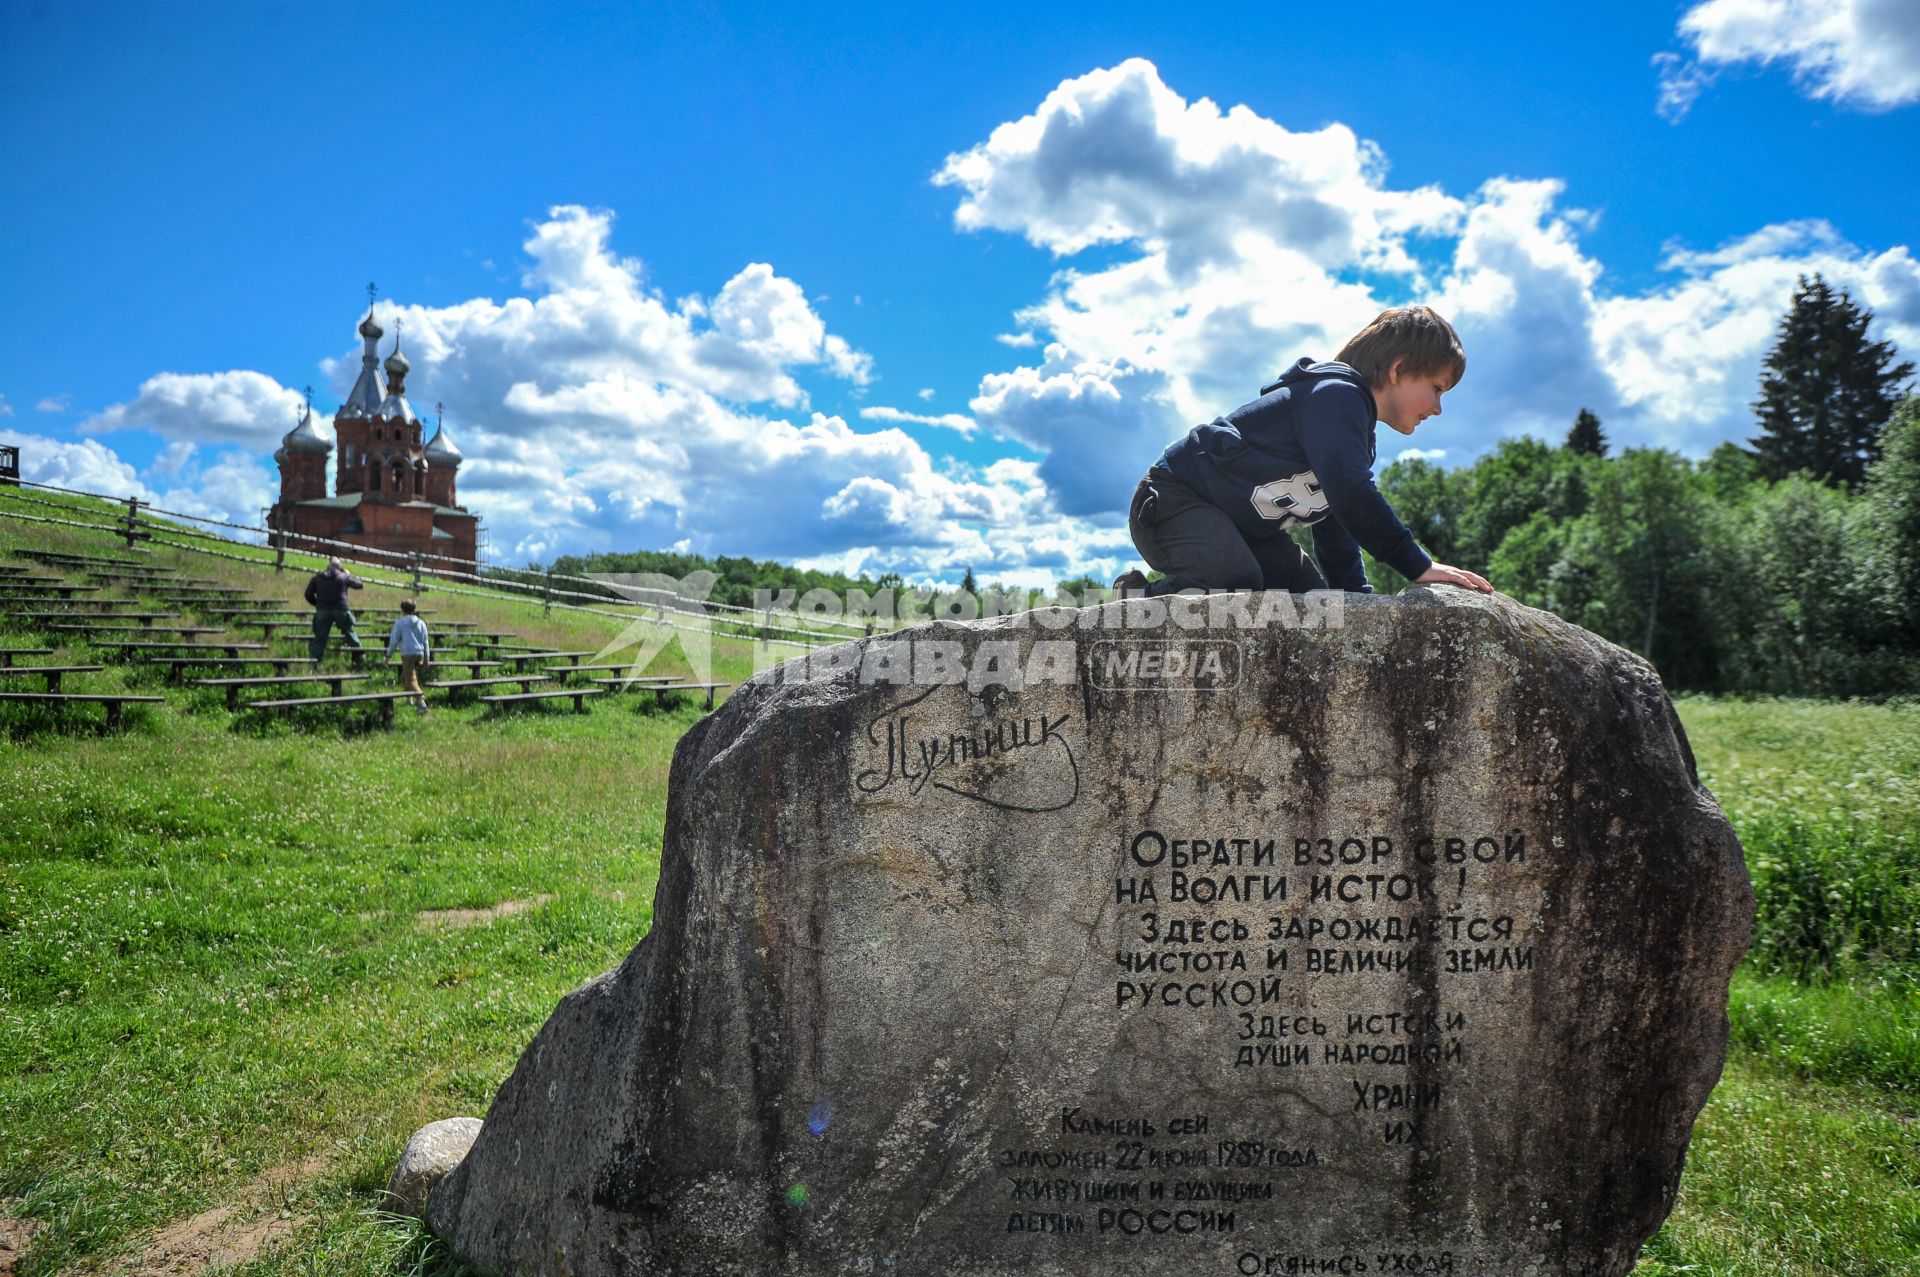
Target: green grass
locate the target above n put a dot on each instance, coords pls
(1807, 1159)
(211, 957)
(1789, 1177)
(1826, 797)
(216, 987)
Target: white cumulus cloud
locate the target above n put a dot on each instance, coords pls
(947, 420)
(238, 407)
(1115, 156)
(596, 414)
(85, 466)
(1859, 53)
(1207, 287)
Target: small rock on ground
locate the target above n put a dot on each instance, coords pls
(435, 1149)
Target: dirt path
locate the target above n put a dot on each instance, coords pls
(474, 917)
(15, 1232)
(228, 1235)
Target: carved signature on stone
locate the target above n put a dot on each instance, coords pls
(917, 761)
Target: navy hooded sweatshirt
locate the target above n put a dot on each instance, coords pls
(1299, 453)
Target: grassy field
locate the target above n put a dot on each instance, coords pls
(1807, 1160)
(238, 967)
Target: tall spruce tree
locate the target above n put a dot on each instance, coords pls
(1827, 391)
(1586, 436)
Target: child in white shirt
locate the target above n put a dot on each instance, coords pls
(409, 637)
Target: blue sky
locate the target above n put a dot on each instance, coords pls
(879, 289)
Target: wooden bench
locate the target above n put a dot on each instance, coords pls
(68, 556)
(40, 619)
(333, 678)
(337, 643)
(267, 628)
(129, 646)
(8, 653)
(158, 576)
(52, 672)
(614, 665)
(384, 699)
(520, 660)
(112, 700)
(620, 683)
(110, 623)
(475, 666)
(87, 618)
(72, 563)
(661, 690)
(579, 695)
(483, 648)
(146, 626)
(526, 682)
(248, 615)
(177, 666)
(40, 589)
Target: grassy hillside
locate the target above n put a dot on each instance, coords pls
(238, 967)
(234, 966)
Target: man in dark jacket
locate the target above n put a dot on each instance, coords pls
(327, 591)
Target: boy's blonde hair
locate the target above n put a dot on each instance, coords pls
(1415, 337)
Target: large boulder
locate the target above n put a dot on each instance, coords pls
(1275, 936)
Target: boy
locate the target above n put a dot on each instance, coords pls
(409, 635)
(1213, 511)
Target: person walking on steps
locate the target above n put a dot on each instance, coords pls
(327, 592)
(409, 638)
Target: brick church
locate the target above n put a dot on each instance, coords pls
(391, 492)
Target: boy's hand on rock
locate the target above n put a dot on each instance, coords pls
(1441, 574)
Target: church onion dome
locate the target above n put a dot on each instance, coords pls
(364, 400)
(306, 437)
(396, 408)
(279, 456)
(441, 450)
(397, 364)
